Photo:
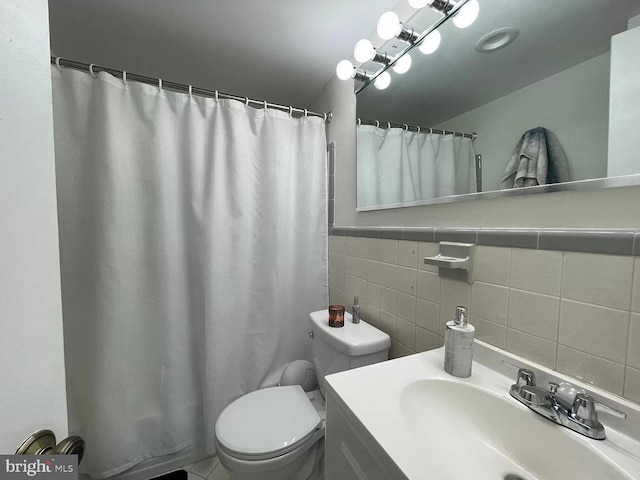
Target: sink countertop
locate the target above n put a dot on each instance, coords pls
(374, 396)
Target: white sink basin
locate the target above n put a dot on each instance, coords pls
(423, 424)
(496, 434)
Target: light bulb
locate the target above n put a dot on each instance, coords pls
(467, 14)
(389, 25)
(430, 43)
(418, 3)
(364, 51)
(345, 70)
(383, 81)
(403, 64)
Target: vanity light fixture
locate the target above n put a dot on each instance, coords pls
(442, 6)
(389, 26)
(462, 19)
(364, 52)
(346, 70)
(464, 13)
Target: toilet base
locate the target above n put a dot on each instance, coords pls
(304, 463)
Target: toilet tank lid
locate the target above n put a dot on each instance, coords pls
(353, 339)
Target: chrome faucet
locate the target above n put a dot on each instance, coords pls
(580, 416)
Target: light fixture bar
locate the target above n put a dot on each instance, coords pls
(381, 57)
(443, 6)
(408, 34)
(362, 75)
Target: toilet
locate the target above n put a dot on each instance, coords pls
(277, 433)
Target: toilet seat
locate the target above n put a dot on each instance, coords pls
(267, 423)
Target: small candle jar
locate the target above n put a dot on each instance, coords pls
(336, 316)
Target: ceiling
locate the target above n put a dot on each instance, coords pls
(282, 51)
(554, 35)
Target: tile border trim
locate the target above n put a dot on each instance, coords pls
(605, 241)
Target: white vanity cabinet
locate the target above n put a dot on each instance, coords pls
(350, 451)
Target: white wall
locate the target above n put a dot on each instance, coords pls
(602, 209)
(32, 381)
(625, 103)
(573, 104)
(337, 97)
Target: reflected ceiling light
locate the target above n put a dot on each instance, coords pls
(467, 14)
(403, 64)
(430, 43)
(364, 52)
(383, 81)
(497, 39)
(346, 70)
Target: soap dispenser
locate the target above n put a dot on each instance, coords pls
(458, 345)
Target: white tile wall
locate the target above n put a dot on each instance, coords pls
(578, 313)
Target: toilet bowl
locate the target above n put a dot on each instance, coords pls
(277, 433)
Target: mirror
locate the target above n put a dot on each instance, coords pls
(556, 73)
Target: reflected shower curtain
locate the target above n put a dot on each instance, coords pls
(396, 166)
(193, 246)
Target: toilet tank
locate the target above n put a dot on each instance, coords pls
(337, 349)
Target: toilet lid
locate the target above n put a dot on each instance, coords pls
(267, 423)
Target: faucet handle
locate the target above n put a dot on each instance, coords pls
(601, 407)
(525, 377)
(584, 409)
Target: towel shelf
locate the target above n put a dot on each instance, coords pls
(455, 261)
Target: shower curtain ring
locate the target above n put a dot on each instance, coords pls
(159, 84)
(325, 116)
(305, 113)
(290, 110)
(58, 63)
(91, 70)
(418, 127)
(246, 102)
(124, 78)
(405, 127)
(430, 131)
(265, 106)
(190, 91)
(388, 125)
(377, 124)
(359, 121)
(215, 94)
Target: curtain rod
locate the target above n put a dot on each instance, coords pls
(404, 126)
(183, 88)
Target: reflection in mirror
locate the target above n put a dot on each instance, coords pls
(549, 92)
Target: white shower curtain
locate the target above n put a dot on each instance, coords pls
(193, 245)
(397, 165)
